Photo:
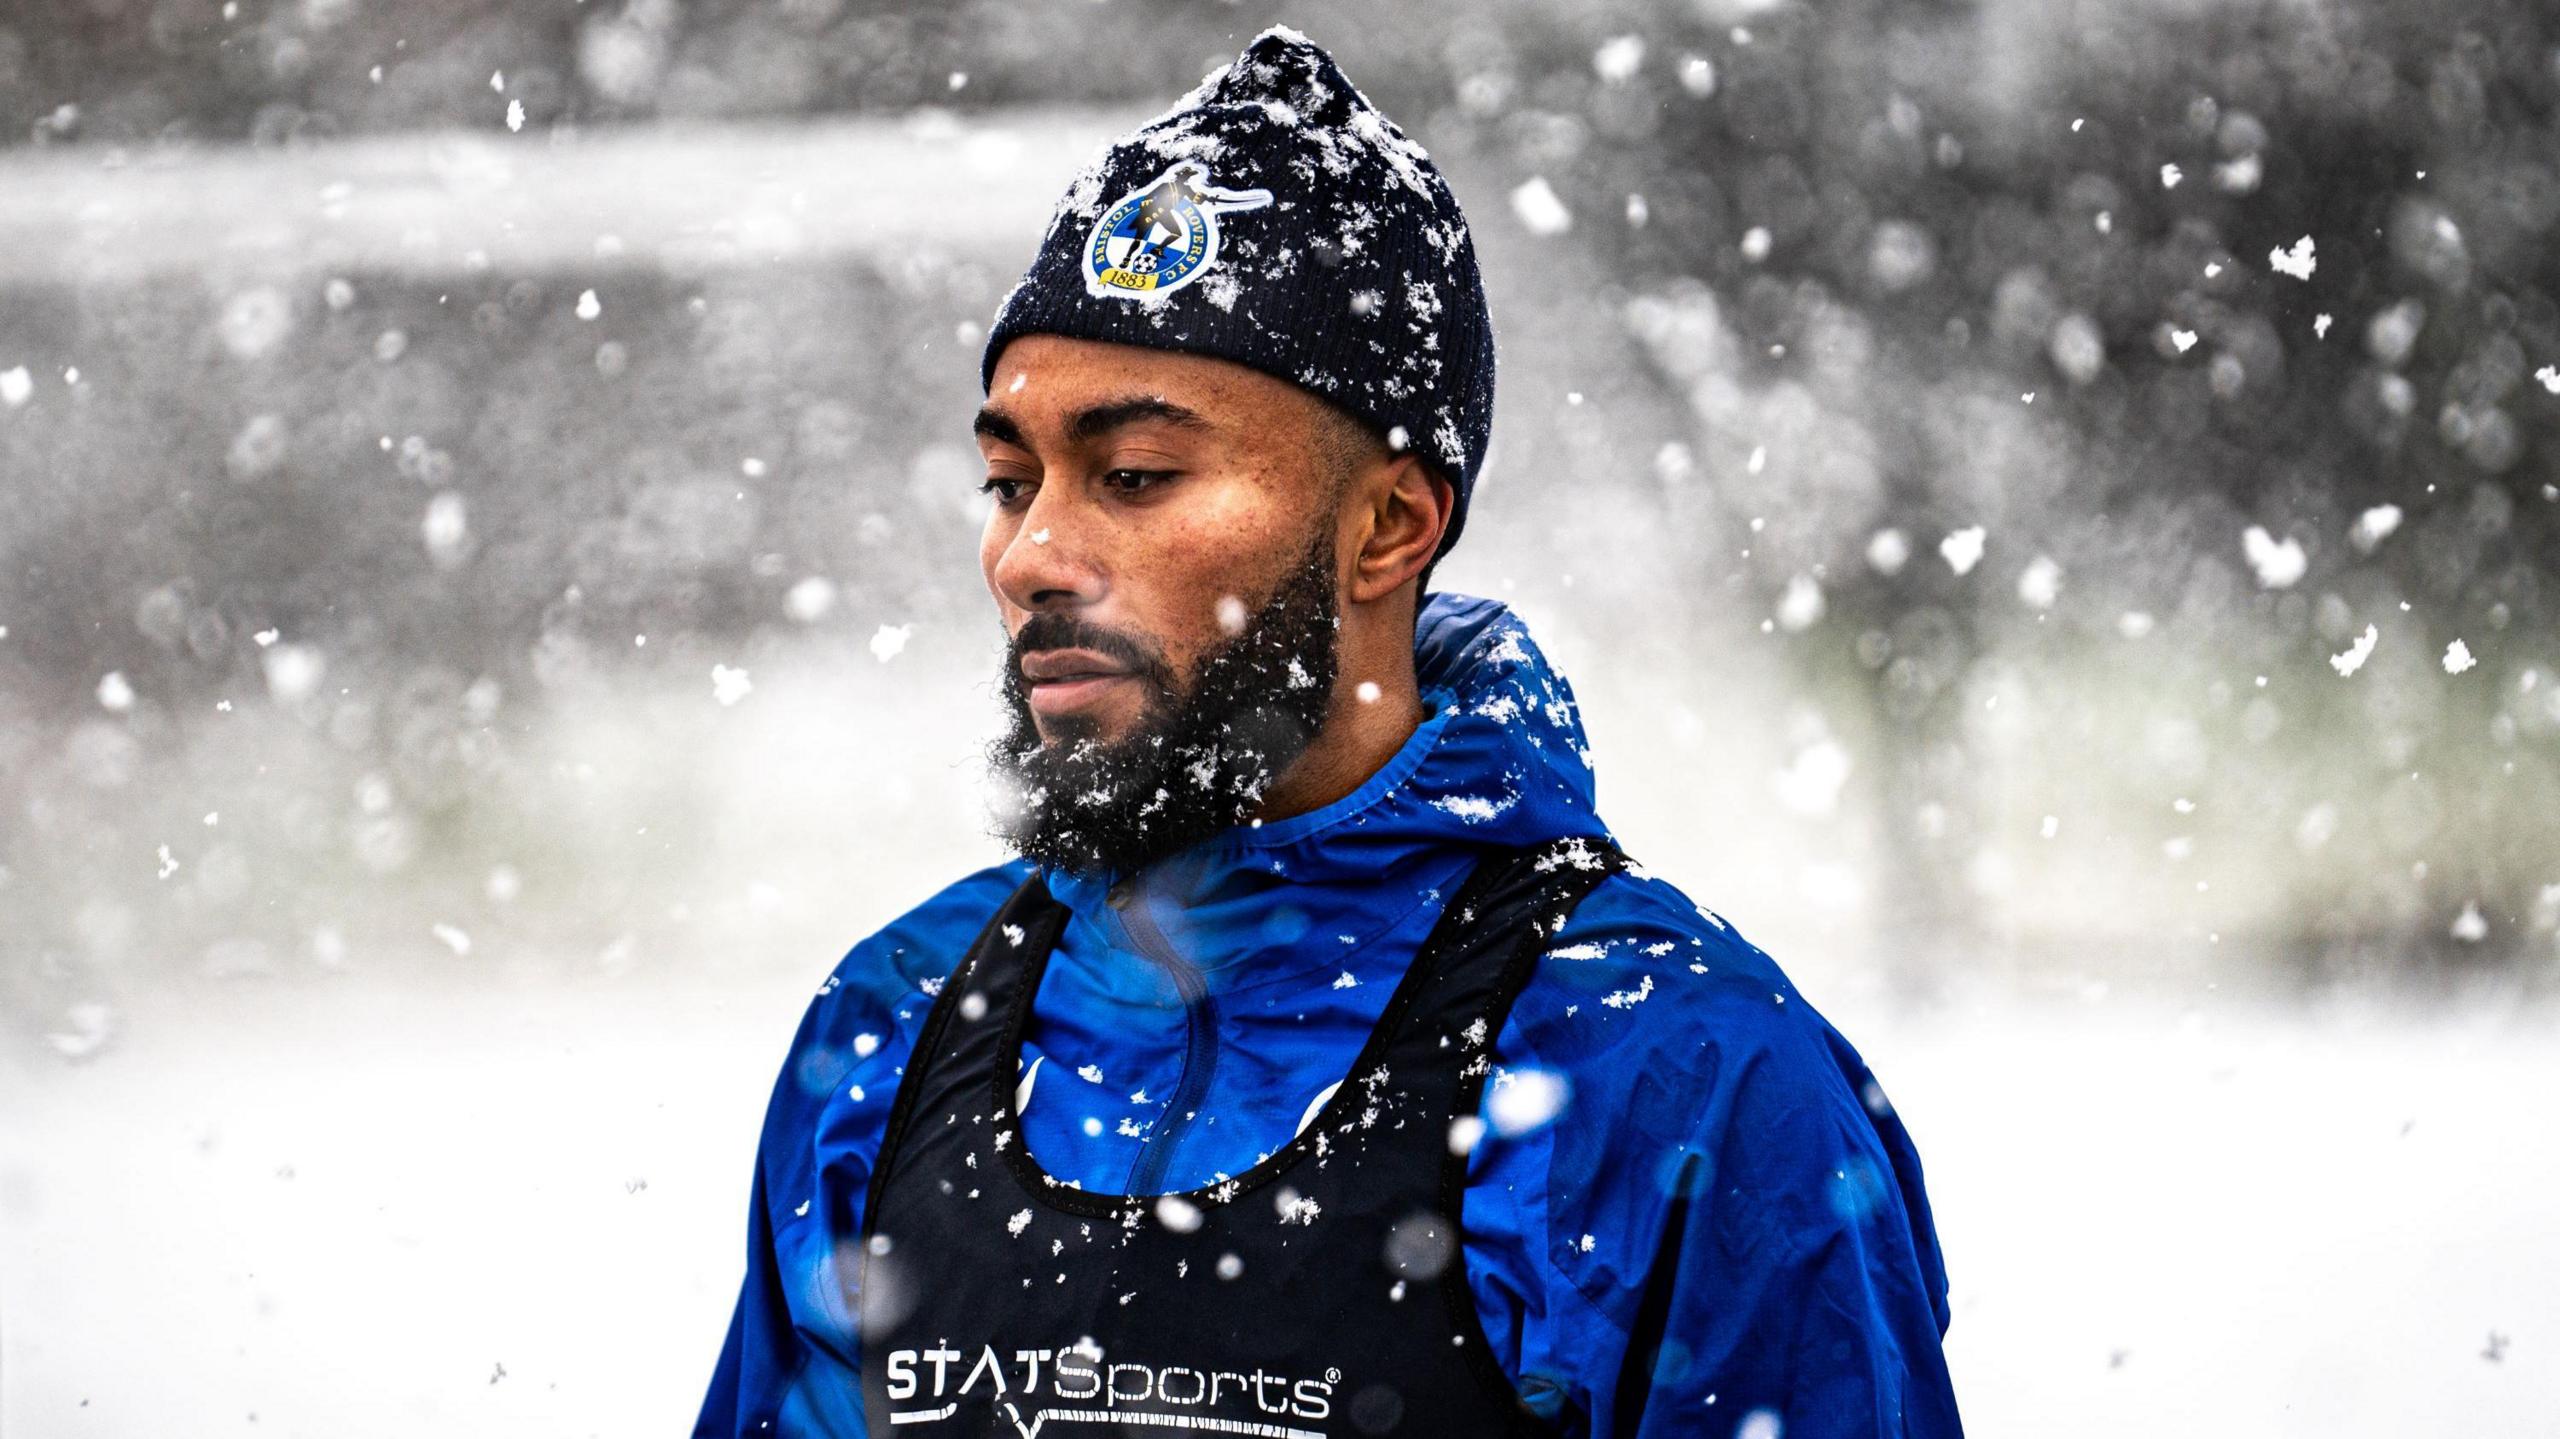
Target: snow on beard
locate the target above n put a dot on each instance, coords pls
(1195, 763)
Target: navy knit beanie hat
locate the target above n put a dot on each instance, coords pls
(1273, 217)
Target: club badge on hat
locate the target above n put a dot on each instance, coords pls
(1162, 235)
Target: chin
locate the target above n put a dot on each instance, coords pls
(1059, 731)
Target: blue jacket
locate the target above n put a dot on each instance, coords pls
(1680, 1155)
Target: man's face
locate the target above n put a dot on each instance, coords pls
(1162, 551)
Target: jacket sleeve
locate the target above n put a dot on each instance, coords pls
(1798, 1287)
(790, 1367)
(762, 1351)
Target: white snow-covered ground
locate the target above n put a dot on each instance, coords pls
(517, 1211)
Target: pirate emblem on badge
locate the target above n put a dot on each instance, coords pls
(1162, 235)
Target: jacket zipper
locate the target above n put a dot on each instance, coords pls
(1199, 1053)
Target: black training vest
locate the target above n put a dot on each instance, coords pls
(1320, 1293)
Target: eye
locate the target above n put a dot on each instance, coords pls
(1006, 489)
(1135, 481)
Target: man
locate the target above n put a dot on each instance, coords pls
(1319, 1067)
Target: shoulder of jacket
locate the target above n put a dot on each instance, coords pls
(1650, 1001)
(862, 1016)
(1636, 926)
(1718, 1078)
(910, 955)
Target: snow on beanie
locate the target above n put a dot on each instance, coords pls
(1273, 217)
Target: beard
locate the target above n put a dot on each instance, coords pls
(1198, 760)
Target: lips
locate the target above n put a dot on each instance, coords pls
(1051, 667)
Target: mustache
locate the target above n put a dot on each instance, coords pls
(1055, 630)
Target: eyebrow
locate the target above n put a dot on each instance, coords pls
(1095, 421)
(995, 424)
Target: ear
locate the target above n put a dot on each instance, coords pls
(1407, 516)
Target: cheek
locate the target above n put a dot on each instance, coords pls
(1204, 569)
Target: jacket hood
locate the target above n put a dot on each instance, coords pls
(1500, 760)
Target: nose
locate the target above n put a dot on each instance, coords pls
(1046, 561)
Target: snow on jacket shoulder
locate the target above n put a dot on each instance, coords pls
(1690, 1201)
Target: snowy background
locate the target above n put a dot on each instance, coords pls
(2052, 509)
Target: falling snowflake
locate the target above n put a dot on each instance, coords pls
(2373, 527)
(2457, 658)
(2353, 658)
(888, 640)
(2296, 262)
(2278, 565)
(1522, 1101)
(2470, 926)
(1619, 58)
(2040, 583)
(1760, 1424)
(1962, 549)
(1535, 202)
(1801, 605)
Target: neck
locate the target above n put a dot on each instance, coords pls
(1359, 736)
